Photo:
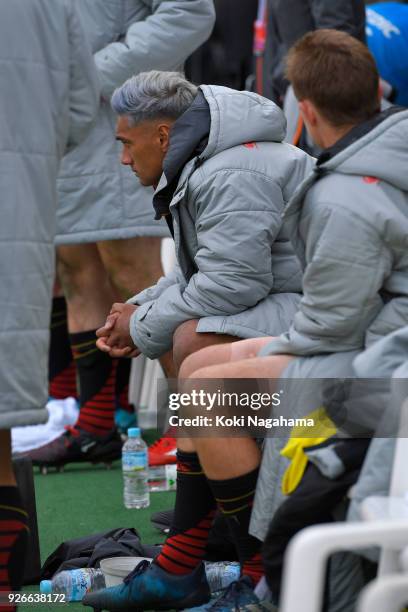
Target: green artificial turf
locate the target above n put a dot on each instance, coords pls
(83, 500)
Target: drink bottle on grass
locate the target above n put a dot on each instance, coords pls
(135, 471)
(220, 574)
(74, 583)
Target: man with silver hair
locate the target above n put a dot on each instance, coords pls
(222, 175)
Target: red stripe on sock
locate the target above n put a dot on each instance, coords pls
(198, 533)
(63, 385)
(105, 404)
(64, 388)
(10, 525)
(97, 415)
(184, 549)
(85, 421)
(100, 417)
(93, 407)
(183, 558)
(253, 568)
(172, 566)
(184, 468)
(7, 541)
(199, 545)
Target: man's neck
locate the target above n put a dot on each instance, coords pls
(329, 135)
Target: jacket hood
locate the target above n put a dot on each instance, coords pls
(218, 119)
(188, 139)
(238, 117)
(377, 148)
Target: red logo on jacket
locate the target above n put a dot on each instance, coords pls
(371, 180)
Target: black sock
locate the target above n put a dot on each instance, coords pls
(13, 540)
(96, 375)
(195, 507)
(122, 385)
(235, 500)
(61, 366)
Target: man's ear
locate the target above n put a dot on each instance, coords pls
(164, 136)
(308, 112)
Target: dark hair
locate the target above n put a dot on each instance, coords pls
(337, 73)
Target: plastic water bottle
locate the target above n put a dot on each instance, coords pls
(220, 574)
(135, 471)
(74, 583)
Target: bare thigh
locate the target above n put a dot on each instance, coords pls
(132, 264)
(253, 368)
(222, 354)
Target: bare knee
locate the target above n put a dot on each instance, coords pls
(186, 341)
(185, 445)
(193, 362)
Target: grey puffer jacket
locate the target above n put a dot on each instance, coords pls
(237, 271)
(99, 199)
(349, 225)
(49, 98)
(387, 359)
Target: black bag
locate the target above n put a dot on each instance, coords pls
(88, 551)
(23, 470)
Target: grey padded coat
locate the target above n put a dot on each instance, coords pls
(237, 271)
(49, 97)
(99, 199)
(387, 359)
(349, 225)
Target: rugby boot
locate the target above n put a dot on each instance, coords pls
(163, 451)
(77, 446)
(149, 587)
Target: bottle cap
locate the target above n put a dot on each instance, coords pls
(46, 587)
(134, 432)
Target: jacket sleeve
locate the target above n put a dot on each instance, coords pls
(84, 93)
(152, 293)
(162, 41)
(236, 225)
(384, 356)
(345, 15)
(346, 264)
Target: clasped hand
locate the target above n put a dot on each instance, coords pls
(114, 337)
